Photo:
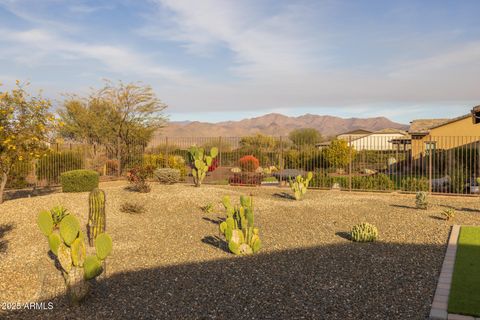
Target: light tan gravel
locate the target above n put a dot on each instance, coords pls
(306, 268)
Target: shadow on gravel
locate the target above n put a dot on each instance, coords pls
(217, 242)
(460, 209)
(28, 193)
(403, 206)
(438, 218)
(4, 229)
(284, 195)
(335, 281)
(214, 221)
(344, 235)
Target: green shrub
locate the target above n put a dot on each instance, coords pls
(373, 182)
(448, 213)
(415, 184)
(18, 175)
(167, 175)
(79, 180)
(51, 166)
(132, 208)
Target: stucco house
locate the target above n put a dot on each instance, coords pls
(370, 140)
(444, 134)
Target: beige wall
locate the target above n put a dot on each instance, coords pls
(451, 135)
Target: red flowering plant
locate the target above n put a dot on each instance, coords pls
(213, 166)
(249, 163)
(138, 176)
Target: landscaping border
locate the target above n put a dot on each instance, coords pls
(439, 309)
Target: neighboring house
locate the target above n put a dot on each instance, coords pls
(369, 140)
(353, 135)
(444, 134)
(379, 140)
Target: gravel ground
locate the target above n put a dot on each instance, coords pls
(169, 263)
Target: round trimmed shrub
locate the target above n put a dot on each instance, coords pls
(167, 175)
(79, 180)
(249, 163)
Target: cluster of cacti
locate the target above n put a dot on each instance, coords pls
(67, 243)
(448, 213)
(421, 200)
(299, 186)
(96, 214)
(167, 175)
(239, 230)
(364, 232)
(200, 162)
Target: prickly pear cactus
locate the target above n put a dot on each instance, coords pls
(421, 200)
(67, 243)
(364, 232)
(299, 186)
(200, 161)
(238, 228)
(96, 215)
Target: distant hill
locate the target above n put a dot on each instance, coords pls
(278, 125)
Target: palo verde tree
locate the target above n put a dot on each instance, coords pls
(305, 137)
(119, 116)
(339, 154)
(24, 123)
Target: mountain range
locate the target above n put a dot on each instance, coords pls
(276, 124)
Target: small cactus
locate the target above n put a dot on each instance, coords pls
(448, 213)
(66, 242)
(299, 186)
(208, 208)
(364, 232)
(238, 228)
(421, 200)
(200, 161)
(96, 215)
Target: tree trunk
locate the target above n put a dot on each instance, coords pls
(3, 183)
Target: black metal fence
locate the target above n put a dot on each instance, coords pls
(384, 162)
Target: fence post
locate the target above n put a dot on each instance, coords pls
(350, 163)
(430, 155)
(281, 164)
(166, 153)
(119, 157)
(220, 151)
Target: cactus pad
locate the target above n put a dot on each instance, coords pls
(45, 222)
(103, 245)
(92, 267)
(79, 252)
(54, 242)
(65, 257)
(69, 229)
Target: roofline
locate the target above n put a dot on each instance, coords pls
(451, 121)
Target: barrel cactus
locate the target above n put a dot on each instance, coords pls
(200, 161)
(364, 232)
(299, 186)
(238, 228)
(96, 214)
(167, 175)
(67, 243)
(421, 200)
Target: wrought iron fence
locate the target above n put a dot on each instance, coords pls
(377, 162)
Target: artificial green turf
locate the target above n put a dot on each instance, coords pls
(465, 291)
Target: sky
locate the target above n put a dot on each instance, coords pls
(215, 60)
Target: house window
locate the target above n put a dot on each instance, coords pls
(430, 147)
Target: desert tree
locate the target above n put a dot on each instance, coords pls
(305, 137)
(25, 124)
(121, 116)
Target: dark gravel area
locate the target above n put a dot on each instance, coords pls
(168, 262)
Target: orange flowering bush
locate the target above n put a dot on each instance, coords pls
(249, 163)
